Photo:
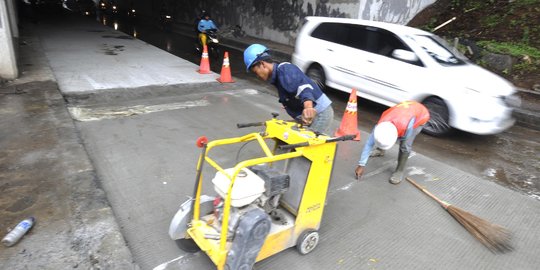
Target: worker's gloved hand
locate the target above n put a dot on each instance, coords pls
(359, 171)
(307, 115)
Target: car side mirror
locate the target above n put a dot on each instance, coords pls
(404, 55)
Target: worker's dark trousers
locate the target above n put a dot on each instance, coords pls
(405, 143)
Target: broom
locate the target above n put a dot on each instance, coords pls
(496, 238)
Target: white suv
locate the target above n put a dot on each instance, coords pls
(388, 63)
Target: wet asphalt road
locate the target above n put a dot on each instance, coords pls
(510, 158)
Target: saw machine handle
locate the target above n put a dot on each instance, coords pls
(336, 139)
(342, 138)
(291, 146)
(245, 125)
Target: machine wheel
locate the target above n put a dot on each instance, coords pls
(187, 245)
(316, 73)
(307, 241)
(439, 117)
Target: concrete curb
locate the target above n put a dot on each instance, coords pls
(528, 114)
(528, 119)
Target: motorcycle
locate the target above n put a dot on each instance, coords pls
(166, 22)
(212, 44)
(103, 6)
(114, 10)
(132, 13)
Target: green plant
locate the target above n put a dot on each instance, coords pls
(525, 67)
(522, 3)
(525, 38)
(491, 21)
(514, 49)
(430, 25)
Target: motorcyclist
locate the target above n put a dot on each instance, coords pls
(205, 24)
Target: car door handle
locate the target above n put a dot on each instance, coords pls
(371, 61)
(330, 50)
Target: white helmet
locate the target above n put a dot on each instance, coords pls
(385, 134)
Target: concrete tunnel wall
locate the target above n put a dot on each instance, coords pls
(8, 40)
(276, 20)
(280, 20)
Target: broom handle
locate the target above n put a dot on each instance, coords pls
(441, 202)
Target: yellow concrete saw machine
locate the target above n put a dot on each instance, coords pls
(262, 205)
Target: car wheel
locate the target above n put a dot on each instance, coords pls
(439, 117)
(316, 73)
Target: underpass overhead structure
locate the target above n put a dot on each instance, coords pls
(280, 20)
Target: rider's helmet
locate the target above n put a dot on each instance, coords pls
(205, 14)
(255, 53)
(385, 135)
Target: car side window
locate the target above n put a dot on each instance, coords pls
(385, 42)
(366, 38)
(357, 37)
(333, 32)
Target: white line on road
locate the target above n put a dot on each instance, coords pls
(90, 114)
(387, 164)
(165, 264)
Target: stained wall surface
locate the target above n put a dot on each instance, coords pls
(280, 20)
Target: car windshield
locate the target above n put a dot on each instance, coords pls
(437, 48)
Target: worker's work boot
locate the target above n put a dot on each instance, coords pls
(398, 174)
(377, 153)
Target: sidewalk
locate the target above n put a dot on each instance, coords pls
(45, 172)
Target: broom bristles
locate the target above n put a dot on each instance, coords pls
(496, 238)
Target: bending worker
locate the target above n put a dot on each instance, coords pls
(302, 98)
(205, 24)
(401, 122)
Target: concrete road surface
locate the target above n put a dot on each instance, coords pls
(146, 163)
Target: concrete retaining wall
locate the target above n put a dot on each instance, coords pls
(276, 20)
(280, 20)
(8, 31)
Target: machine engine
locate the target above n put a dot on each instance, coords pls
(254, 199)
(256, 187)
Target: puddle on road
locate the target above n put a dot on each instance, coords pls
(92, 114)
(112, 49)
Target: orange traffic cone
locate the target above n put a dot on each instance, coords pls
(349, 123)
(225, 70)
(205, 62)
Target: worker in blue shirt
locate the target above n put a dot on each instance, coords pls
(205, 24)
(302, 98)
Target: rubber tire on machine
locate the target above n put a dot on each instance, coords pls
(307, 241)
(187, 245)
(316, 73)
(439, 117)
